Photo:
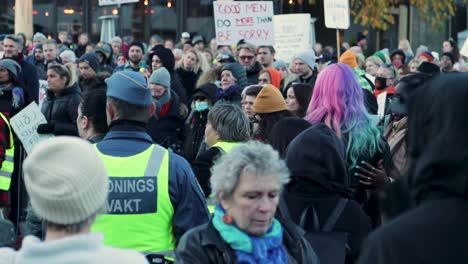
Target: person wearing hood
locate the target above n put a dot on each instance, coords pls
(164, 127)
(434, 230)
(158, 57)
(270, 76)
(349, 58)
(319, 178)
(61, 104)
(194, 126)
(104, 55)
(233, 81)
(285, 131)
(11, 92)
(246, 57)
(27, 77)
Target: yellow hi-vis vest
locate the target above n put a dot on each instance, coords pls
(225, 147)
(140, 211)
(6, 170)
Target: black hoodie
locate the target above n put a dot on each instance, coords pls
(436, 230)
(316, 159)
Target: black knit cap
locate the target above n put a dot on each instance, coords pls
(137, 43)
(92, 60)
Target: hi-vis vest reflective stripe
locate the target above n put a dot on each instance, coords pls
(6, 170)
(225, 147)
(140, 211)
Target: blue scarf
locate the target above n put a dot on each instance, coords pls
(228, 93)
(250, 249)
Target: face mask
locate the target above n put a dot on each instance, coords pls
(201, 106)
(380, 83)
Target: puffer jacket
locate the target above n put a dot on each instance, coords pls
(62, 110)
(204, 244)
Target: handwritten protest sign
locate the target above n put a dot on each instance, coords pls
(336, 13)
(292, 34)
(249, 20)
(25, 124)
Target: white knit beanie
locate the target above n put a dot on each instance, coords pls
(66, 180)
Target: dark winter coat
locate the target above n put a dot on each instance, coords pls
(62, 110)
(435, 231)
(201, 168)
(319, 177)
(194, 133)
(189, 81)
(28, 79)
(204, 244)
(165, 129)
(252, 74)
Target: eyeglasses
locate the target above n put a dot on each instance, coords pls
(246, 57)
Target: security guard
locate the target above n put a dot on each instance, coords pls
(154, 198)
(7, 164)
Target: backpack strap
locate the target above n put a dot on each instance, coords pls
(315, 219)
(335, 215)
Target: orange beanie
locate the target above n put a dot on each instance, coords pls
(349, 58)
(269, 100)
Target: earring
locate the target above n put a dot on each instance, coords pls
(227, 219)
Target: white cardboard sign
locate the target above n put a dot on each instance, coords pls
(25, 124)
(336, 14)
(292, 34)
(248, 20)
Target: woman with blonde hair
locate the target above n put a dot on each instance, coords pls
(189, 69)
(61, 104)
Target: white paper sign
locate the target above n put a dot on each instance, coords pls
(42, 91)
(464, 49)
(292, 34)
(336, 13)
(25, 124)
(116, 2)
(249, 20)
(381, 101)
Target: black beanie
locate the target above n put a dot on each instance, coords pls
(91, 59)
(137, 43)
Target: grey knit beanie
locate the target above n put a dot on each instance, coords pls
(66, 180)
(39, 36)
(162, 77)
(12, 66)
(308, 56)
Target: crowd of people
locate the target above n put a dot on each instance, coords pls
(194, 152)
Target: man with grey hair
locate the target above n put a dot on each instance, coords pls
(69, 209)
(28, 75)
(155, 40)
(227, 126)
(246, 56)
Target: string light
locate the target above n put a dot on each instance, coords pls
(145, 2)
(115, 11)
(46, 13)
(169, 4)
(68, 11)
(291, 2)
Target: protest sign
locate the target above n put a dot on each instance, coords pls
(292, 34)
(249, 20)
(336, 14)
(25, 124)
(42, 91)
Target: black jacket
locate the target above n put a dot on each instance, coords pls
(189, 81)
(435, 231)
(252, 74)
(201, 168)
(319, 178)
(165, 129)
(204, 244)
(62, 110)
(193, 134)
